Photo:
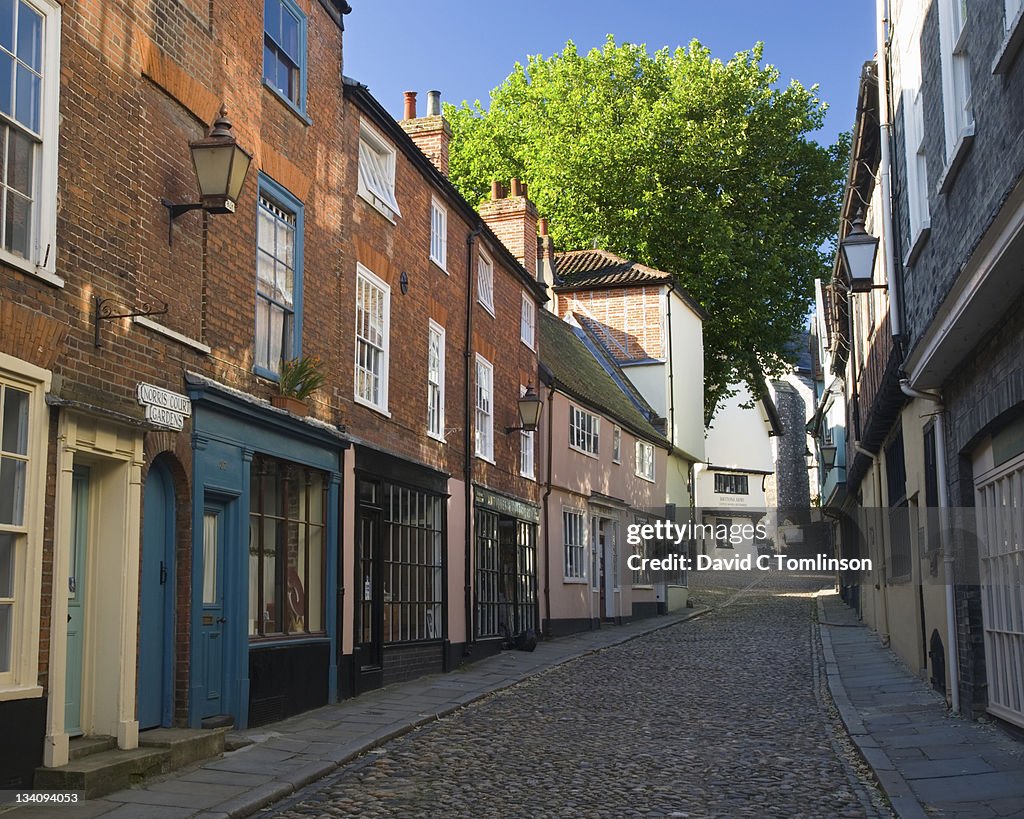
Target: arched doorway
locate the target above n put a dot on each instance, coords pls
(156, 600)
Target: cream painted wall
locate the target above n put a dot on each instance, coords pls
(738, 437)
(687, 353)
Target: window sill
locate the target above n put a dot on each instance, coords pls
(25, 266)
(269, 640)
(263, 372)
(593, 455)
(488, 308)
(963, 147)
(575, 581)
(645, 478)
(531, 346)
(917, 245)
(528, 477)
(378, 409)
(159, 328)
(378, 205)
(643, 586)
(481, 457)
(439, 438)
(20, 692)
(287, 103)
(439, 265)
(1011, 45)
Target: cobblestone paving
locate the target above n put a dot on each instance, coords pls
(723, 716)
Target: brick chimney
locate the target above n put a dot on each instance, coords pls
(546, 261)
(431, 133)
(513, 218)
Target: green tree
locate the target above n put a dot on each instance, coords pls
(680, 161)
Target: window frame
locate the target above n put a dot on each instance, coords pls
(485, 263)
(641, 461)
(258, 515)
(527, 449)
(42, 260)
(528, 322)
(284, 199)
(433, 328)
(735, 480)
(577, 434)
(616, 444)
(383, 199)
(21, 680)
(957, 94)
(439, 234)
(363, 272)
(574, 553)
(486, 454)
(289, 7)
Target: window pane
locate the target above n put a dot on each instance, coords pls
(7, 24)
(30, 36)
(15, 422)
(5, 637)
(19, 161)
(272, 18)
(6, 565)
(17, 220)
(12, 491)
(27, 107)
(209, 558)
(6, 84)
(290, 35)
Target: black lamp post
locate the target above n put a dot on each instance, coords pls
(530, 406)
(859, 250)
(221, 165)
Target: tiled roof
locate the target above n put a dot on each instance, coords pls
(599, 268)
(579, 374)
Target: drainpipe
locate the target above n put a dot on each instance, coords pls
(671, 375)
(466, 434)
(547, 516)
(885, 163)
(952, 659)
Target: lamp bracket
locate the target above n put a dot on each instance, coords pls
(174, 211)
(104, 310)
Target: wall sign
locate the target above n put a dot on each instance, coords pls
(164, 408)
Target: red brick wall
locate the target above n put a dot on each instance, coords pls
(629, 318)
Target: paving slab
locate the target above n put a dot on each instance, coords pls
(929, 762)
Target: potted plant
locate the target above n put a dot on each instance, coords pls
(300, 378)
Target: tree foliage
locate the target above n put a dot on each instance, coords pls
(680, 161)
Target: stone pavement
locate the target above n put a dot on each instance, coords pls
(929, 763)
(288, 755)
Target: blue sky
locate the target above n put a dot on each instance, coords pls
(465, 48)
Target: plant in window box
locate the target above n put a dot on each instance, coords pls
(300, 378)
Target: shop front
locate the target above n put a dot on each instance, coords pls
(265, 518)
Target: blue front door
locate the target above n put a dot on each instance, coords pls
(156, 595)
(211, 632)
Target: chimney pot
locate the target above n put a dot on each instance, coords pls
(433, 103)
(543, 225)
(515, 189)
(410, 105)
(522, 188)
(495, 189)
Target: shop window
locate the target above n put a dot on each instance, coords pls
(287, 523)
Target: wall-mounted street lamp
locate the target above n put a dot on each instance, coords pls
(221, 165)
(529, 412)
(828, 455)
(859, 250)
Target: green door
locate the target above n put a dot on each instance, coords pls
(76, 599)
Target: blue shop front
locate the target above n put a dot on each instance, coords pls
(265, 518)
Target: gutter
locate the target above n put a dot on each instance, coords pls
(952, 659)
(467, 436)
(547, 516)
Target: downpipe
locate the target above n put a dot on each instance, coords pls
(948, 559)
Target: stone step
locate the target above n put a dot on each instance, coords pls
(85, 746)
(186, 745)
(98, 768)
(104, 772)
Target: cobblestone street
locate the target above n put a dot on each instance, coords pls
(725, 715)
